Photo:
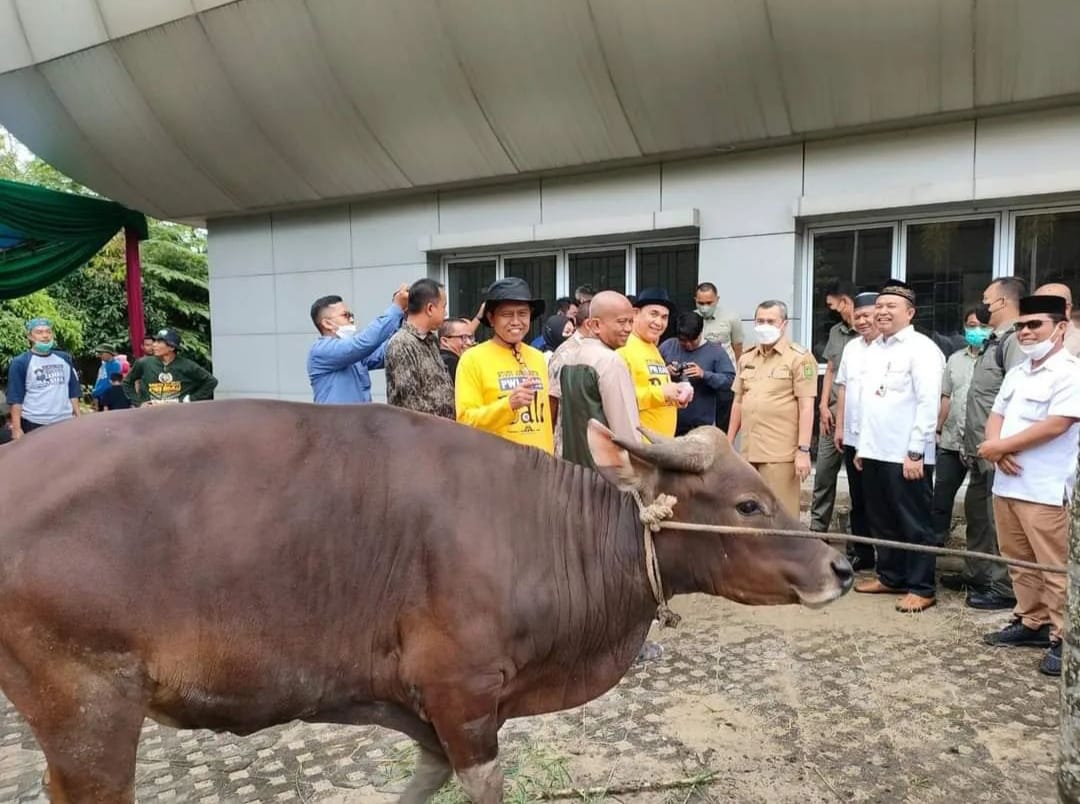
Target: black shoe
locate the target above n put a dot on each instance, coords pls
(1051, 663)
(1018, 635)
(988, 601)
(956, 582)
(861, 563)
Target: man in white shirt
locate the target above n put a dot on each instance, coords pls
(900, 389)
(846, 429)
(1072, 331)
(1031, 437)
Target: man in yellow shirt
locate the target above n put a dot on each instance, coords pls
(658, 398)
(502, 384)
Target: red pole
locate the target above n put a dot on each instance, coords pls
(133, 283)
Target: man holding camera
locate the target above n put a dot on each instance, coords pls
(704, 364)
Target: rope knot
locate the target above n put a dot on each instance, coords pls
(663, 507)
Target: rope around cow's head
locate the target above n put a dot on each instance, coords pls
(655, 516)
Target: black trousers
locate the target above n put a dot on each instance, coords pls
(857, 517)
(724, 401)
(899, 510)
(949, 475)
(28, 425)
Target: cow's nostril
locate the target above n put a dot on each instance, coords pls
(844, 573)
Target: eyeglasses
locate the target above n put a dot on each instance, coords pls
(464, 338)
(1032, 324)
(348, 316)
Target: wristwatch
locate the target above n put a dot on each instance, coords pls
(804, 449)
(915, 456)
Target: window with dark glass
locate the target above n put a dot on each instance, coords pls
(539, 272)
(466, 282)
(862, 256)
(673, 268)
(1048, 249)
(603, 270)
(949, 264)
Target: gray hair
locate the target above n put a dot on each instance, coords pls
(782, 306)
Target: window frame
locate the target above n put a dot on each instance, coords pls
(1008, 248)
(562, 259)
(1004, 234)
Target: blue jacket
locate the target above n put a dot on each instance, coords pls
(338, 367)
(16, 389)
(108, 368)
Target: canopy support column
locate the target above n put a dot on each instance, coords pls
(133, 284)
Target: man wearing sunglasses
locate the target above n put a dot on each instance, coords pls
(339, 361)
(455, 336)
(1032, 437)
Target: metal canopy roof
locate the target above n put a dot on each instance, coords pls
(192, 109)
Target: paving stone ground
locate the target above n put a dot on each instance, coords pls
(850, 703)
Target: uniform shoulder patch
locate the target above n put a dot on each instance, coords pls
(809, 370)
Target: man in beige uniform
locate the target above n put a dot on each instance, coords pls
(774, 405)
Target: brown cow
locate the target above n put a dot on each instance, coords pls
(280, 562)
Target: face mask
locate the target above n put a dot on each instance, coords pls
(1037, 351)
(982, 313)
(706, 310)
(767, 333)
(976, 336)
(43, 348)
(346, 331)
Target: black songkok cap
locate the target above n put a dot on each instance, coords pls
(1042, 303)
(897, 287)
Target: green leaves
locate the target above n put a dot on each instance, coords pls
(90, 305)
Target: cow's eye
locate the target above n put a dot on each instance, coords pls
(748, 507)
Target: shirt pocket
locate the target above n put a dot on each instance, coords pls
(781, 373)
(1034, 403)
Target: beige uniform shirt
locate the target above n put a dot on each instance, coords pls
(768, 386)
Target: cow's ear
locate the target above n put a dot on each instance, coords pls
(616, 465)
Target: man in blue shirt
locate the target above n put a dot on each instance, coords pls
(705, 365)
(109, 366)
(339, 362)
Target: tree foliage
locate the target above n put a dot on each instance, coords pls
(90, 305)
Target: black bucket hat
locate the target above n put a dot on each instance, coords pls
(655, 296)
(511, 289)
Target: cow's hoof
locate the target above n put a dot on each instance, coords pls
(649, 652)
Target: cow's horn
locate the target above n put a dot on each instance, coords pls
(681, 455)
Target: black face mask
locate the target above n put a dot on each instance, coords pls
(982, 313)
(834, 317)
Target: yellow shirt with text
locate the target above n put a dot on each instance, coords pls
(650, 375)
(486, 375)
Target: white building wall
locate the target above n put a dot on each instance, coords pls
(752, 206)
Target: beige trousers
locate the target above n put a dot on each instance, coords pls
(783, 482)
(1035, 532)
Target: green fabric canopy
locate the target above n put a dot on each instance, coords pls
(45, 234)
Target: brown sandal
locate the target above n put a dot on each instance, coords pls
(913, 604)
(873, 586)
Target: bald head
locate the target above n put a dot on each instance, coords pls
(1057, 289)
(611, 318)
(608, 302)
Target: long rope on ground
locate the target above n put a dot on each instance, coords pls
(654, 517)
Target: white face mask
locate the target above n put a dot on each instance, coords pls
(767, 333)
(346, 331)
(1037, 351)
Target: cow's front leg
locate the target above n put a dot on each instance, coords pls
(468, 726)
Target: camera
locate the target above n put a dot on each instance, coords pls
(677, 369)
